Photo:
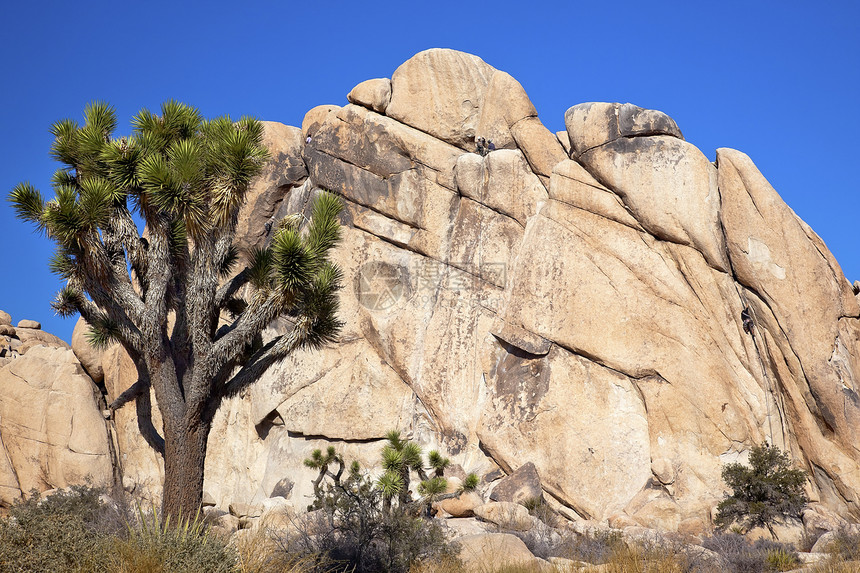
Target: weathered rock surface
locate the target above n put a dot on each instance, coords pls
(593, 124)
(90, 358)
(372, 94)
(571, 300)
(441, 92)
(31, 337)
(53, 434)
(492, 551)
(522, 486)
(461, 506)
(506, 515)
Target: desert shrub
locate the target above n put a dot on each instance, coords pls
(768, 491)
(647, 558)
(762, 556)
(845, 545)
(76, 530)
(65, 531)
(358, 529)
(257, 552)
(151, 546)
(594, 547)
(808, 540)
(541, 539)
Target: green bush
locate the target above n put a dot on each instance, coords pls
(769, 491)
(74, 530)
(66, 531)
(363, 533)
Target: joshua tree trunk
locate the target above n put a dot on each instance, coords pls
(184, 457)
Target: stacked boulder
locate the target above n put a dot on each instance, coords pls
(52, 430)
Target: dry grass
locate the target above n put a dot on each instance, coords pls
(836, 565)
(637, 559)
(258, 552)
(74, 531)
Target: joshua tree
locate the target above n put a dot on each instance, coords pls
(165, 294)
(399, 459)
(766, 492)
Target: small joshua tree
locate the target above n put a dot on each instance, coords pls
(768, 491)
(399, 459)
(376, 525)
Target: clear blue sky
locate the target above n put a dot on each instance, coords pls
(777, 80)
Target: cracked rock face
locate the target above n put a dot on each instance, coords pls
(52, 433)
(579, 309)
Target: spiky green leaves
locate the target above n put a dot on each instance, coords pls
(320, 304)
(293, 263)
(67, 302)
(228, 263)
(184, 168)
(235, 156)
(172, 184)
(433, 486)
(438, 462)
(28, 204)
(96, 199)
(65, 148)
(390, 484)
(157, 132)
(260, 268)
(324, 229)
(318, 460)
(99, 125)
(64, 219)
(192, 169)
(63, 263)
(471, 482)
(295, 269)
(355, 469)
(392, 459)
(80, 148)
(399, 457)
(121, 158)
(103, 332)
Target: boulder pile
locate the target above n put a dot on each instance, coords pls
(603, 305)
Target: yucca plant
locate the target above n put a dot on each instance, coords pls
(185, 178)
(175, 543)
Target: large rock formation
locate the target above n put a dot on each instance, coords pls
(52, 432)
(569, 300)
